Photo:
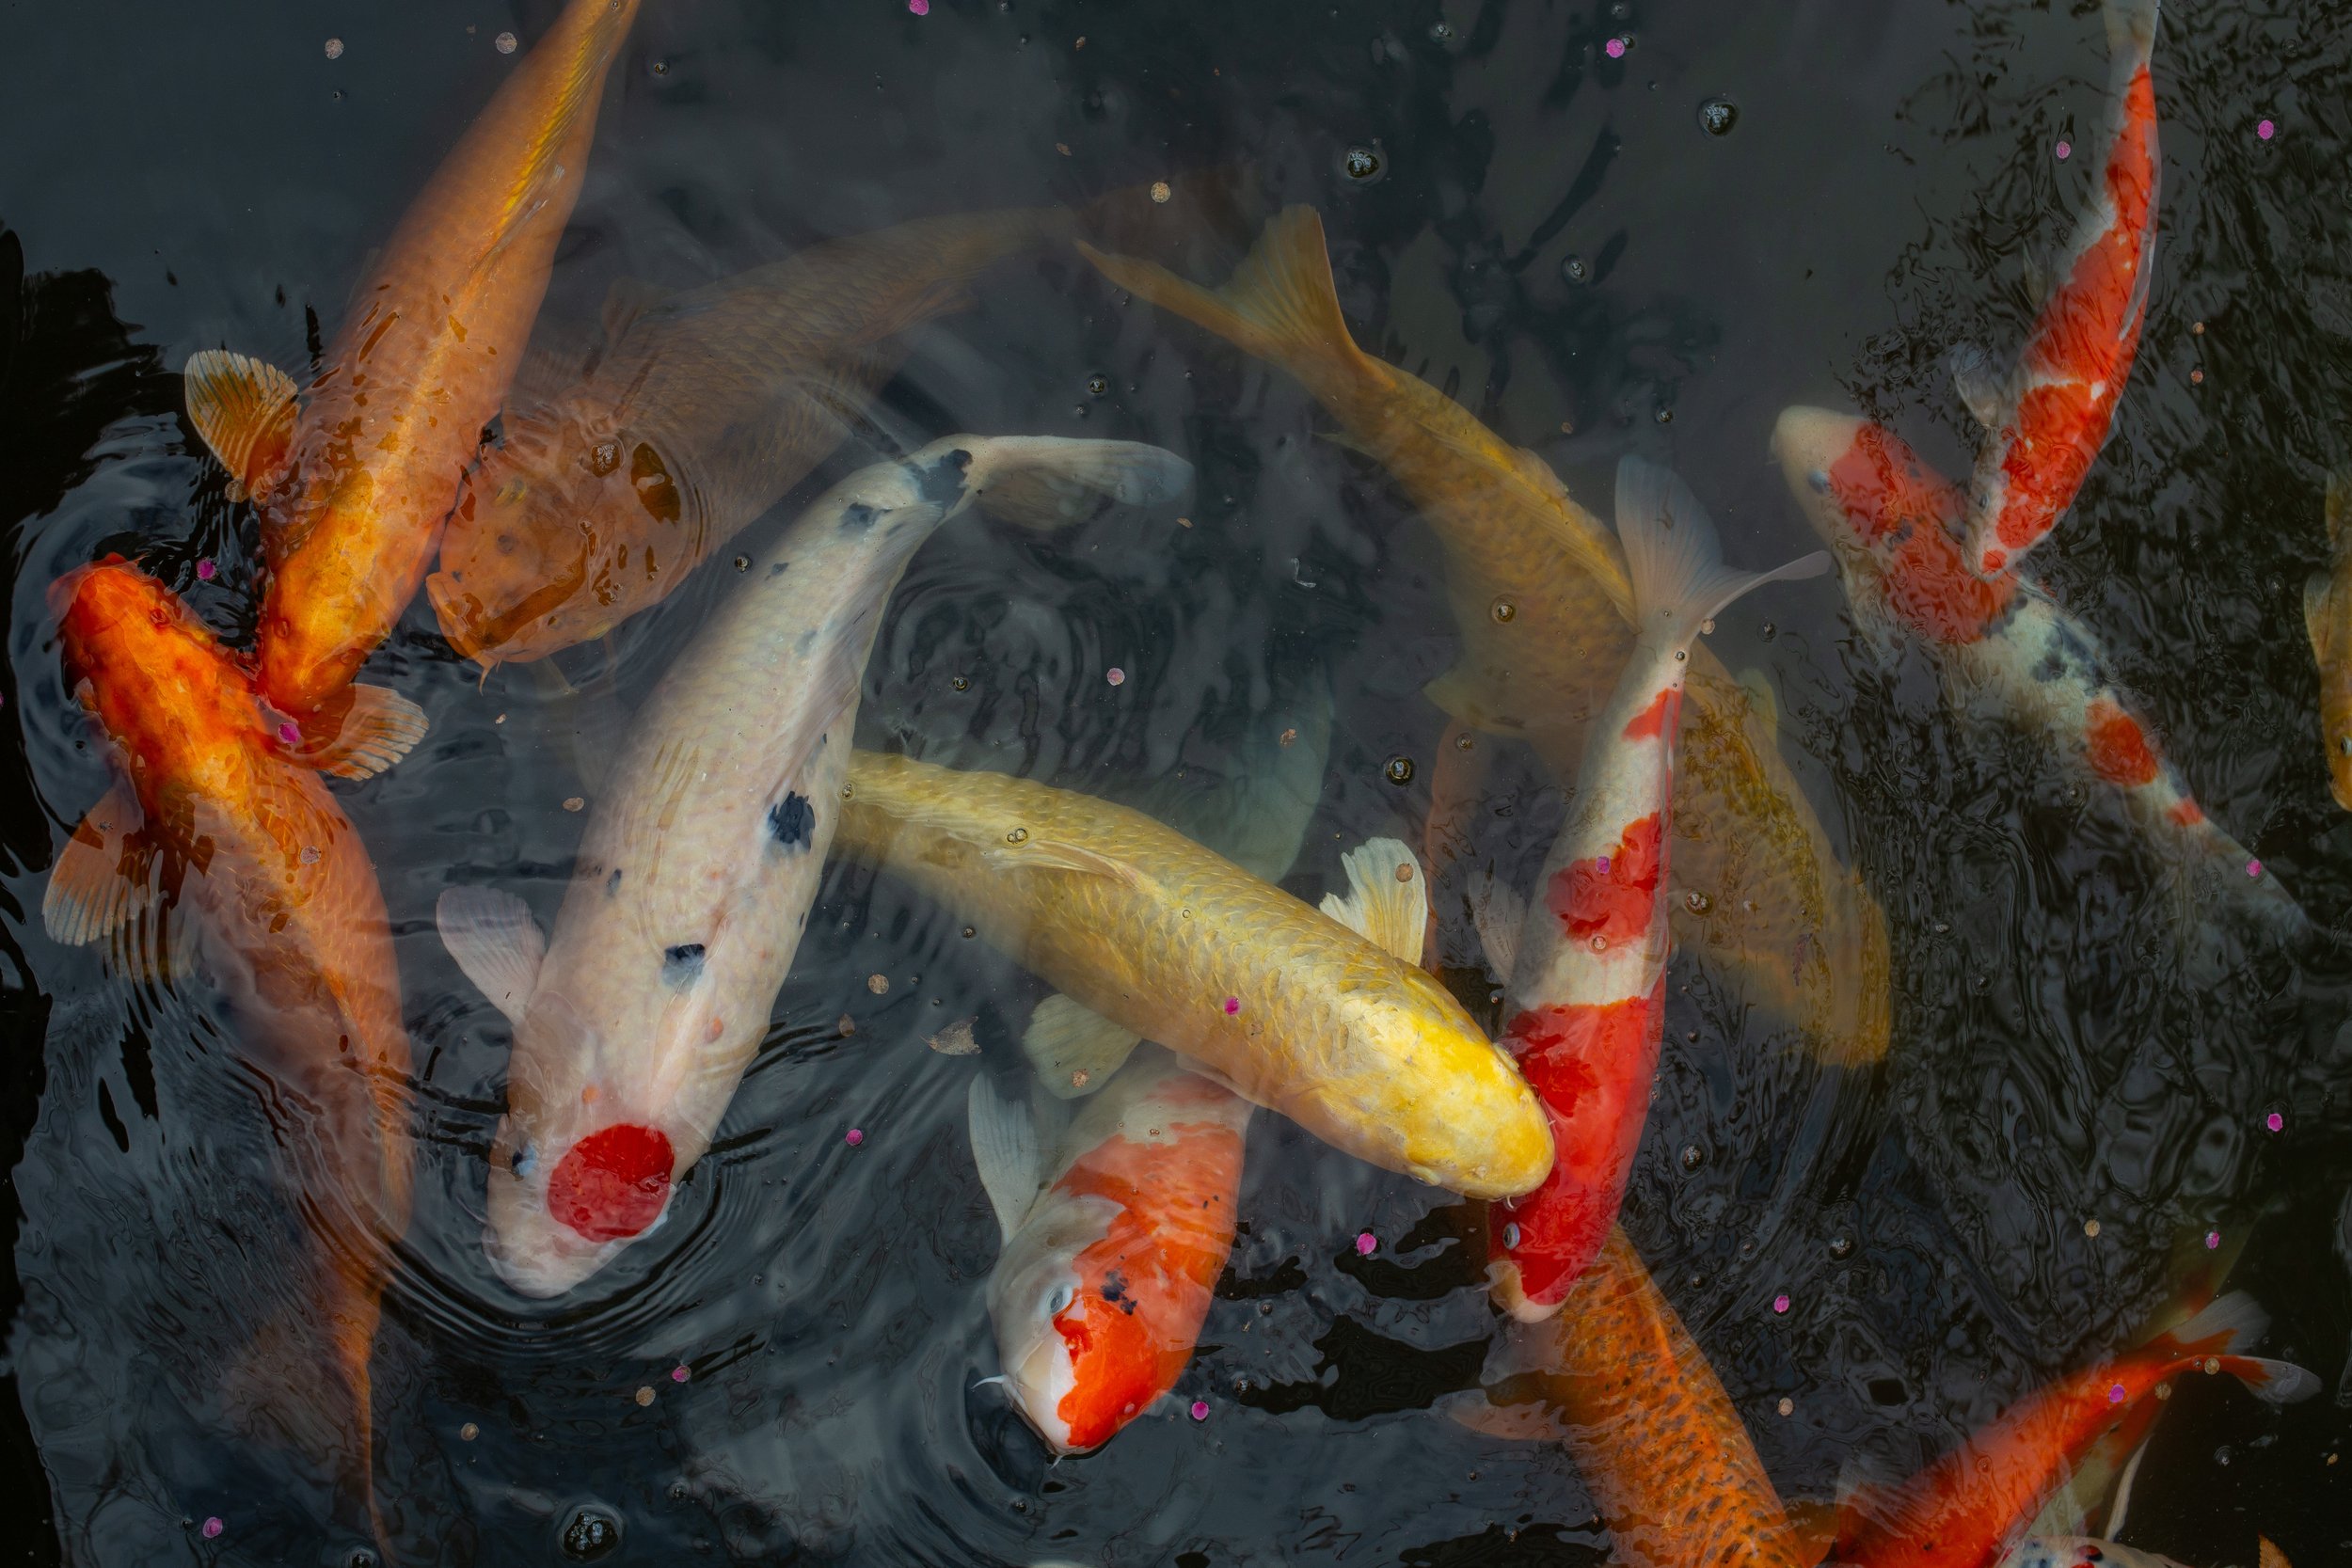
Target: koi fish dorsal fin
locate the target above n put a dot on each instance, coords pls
(1074, 1048)
(1048, 482)
(245, 410)
(102, 877)
(2271, 1556)
(377, 728)
(1388, 898)
(1672, 556)
(496, 942)
(1977, 378)
(1007, 1149)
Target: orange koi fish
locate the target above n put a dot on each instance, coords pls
(219, 814)
(1587, 982)
(1963, 1510)
(1114, 1236)
(1618, 1377)
(1891, 521)
(694, 416)
(2051, 416)
(1545, 613)
(354, 474)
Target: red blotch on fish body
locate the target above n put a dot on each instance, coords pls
(2118, 747)
(614, 1181)
(1144, 1287)
(1590, 1063)
(1617, 902)
(2186, 813)
(1908, 515)
(1657, 722)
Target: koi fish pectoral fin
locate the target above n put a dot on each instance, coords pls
(1009, 1151)
(1387, 901)
(104, 876)
(245, 410)
(1495, 1411)
(377, 727)
(1074, 1048)
(1046, 481)
(496, 942)
(2318, 610)
(1977, 378)
(1500, 913)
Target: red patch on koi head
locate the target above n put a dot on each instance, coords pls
(2118, 747)
(1656, 722)
(1906, 512)
(1612, 897)
(613, 1182)
(2186, 814)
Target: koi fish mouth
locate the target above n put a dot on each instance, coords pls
(613, 1184)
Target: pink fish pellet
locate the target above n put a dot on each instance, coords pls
(213, 1526)
(854, 1138)
(288, 734)
(204, 570)
(2274, 1121)
(680, 1372)
(2265, 129)
(1780, 1303)
(1601, 865)
(920, 8)
(2065, 151)
(1199, 1410)
(2114, 1394)
(1366, 1245)
(1615, 49)
(1232, 1006)
(1115, 675)
(2253, 869)
(2213, 1241)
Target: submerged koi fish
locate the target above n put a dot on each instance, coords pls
(1618, 1379)
(622, 470)
(1115, 1231)
(1964, 1509)
(216, 820)
(1134, 921)
(354, 474)
(2081, 1551)
(1588, 980)
(633, 1025)
(2328, 619)
(2051, 415)
(1545, 616)
(1891, 521)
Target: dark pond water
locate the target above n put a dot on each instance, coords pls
(1560, 240)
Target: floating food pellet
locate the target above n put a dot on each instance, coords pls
(1404, 871)
(1601, 863)
(2274, 1121)
(1366, 1243)
(334, 52)
(500, 719)
(1160, 190)
(1290, 737)
(2197, 329)
(2197, 376)
(2212, 1364)
(468, 1433)
(1115, 675)
(309, 854)
(288, 734)
(680, 1372)
(575, 802)
(1079, 1077)
(2065, 151)
(920, 8)
(845, 1025)
(2253, 869)
(1199, 1410)
(2114, 1394)
(1184, 522)
(2090, 1227)
(2265, 129)
(213, 1526)
(1399, 769)
(1614, 49)
(2212, 1240)
(878, 984)
(1232, 1006)
(506, 42)
(1780, 1303)
(957, 1039)
(1788, 1405)
(2164, 1390)
(644, 1395)
(742, 562)
(204, 570)
(853, 1137)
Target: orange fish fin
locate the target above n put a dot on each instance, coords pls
(245, 410)
(378, 727)
(104, 875)
(1495, 1411)
(2271, 1556)
(1813, 1523)
(1280, 304)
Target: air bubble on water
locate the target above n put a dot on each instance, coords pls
(1717, 115)
(1697, 902)
(1573, 269)
(1098, 384)
(1692, 1157)
(1399, 769)
(962, 683)
(590, 1534)
(1363, 165)
(1840, 1246)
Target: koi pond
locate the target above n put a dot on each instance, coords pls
(1043, 783)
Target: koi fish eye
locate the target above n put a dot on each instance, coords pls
(1059, 1298)
(1819, 479)
(603, 458)
(2344, 745)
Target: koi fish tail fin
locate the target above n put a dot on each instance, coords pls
(2131, 27)
(1674, 559)
(2217, 1337)
(1049, 482)
(1280, 305)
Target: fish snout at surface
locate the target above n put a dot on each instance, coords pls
(1027, 1297)
(559, 1214)
(1809, 444)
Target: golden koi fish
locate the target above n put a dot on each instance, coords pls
(1287, 1006)
(1545, 610)
(2327, 618)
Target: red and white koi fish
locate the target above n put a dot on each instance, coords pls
(1892, 522)
(1588, 978)
(1964, 1509)
(2051, 415)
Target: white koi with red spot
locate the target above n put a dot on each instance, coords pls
(2051, 416)
(697, 869)
(1586, 983)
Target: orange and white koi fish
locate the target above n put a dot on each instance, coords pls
(216, 816)
(1586, 995)
(1892, 522)
(1114, 1236)
(2051, 415)
(1963, 1510)
(354, 474)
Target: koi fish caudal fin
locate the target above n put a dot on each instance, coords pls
(1674, 559)
(2213, 1338)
